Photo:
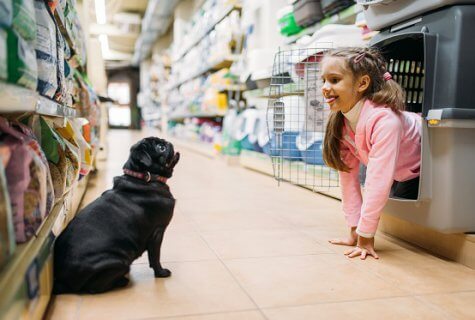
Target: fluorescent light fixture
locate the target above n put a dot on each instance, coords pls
(100, 11)
(104, 44)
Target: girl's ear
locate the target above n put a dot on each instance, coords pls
(363, 83)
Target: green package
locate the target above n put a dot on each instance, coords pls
(22, 67)
(24, 22)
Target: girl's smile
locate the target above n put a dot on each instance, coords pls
(339, 86)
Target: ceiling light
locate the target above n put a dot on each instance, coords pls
(100, 11)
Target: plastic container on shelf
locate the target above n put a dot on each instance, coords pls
(381, 14)
(286, 21)
(259, 124)
(310, 145)
(307, 12)
(330, 7)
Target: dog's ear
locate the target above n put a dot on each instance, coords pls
(174, 160)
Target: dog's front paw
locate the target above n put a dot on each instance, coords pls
(163, 273)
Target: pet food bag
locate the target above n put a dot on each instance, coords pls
(24, 19)
(7, 233)
(35, 197)
(17, 173)
(6, 13)
(30, 127)
(22, 68)
(73, 135)
(46, 51)
(3, 55)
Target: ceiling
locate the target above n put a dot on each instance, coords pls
(122, 26)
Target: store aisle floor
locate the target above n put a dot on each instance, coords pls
(240, 247)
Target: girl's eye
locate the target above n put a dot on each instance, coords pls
(333, 80)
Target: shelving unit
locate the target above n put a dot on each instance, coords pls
(182, 116)
(346, 16)
(206, 32)
(17, 99)
(26, 281)
(226, 62)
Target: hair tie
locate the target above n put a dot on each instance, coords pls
(387, 76)
(359, 57)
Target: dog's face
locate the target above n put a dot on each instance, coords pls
(154, 155)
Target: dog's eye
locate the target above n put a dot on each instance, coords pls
(161, 148)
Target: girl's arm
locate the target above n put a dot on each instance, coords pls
(350, 188)
(385, 136)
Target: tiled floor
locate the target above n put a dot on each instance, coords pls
(240, 247)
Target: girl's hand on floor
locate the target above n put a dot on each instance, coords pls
(350, 241)
(364, 247)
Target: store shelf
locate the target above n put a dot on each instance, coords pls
(346, 16)
(217, 65)
(17, 99)
(203, 148)
(234, 87)
(181, 116)
(205, 33)
(289, 89)
(14, 277)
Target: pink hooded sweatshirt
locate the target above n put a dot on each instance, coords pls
(389, 145)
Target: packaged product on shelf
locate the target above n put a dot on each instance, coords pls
(26, 178)
(73, 135)
(24, 19)
(52, 4)
(3, 55)
(22, 68)
(46, 51)
(7, 233)
(61, 94)
(32, 129)
(6, 13)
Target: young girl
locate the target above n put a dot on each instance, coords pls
(368, 125)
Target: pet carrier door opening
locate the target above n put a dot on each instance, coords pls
(297, 118)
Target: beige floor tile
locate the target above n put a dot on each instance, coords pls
(287, 281)
(231, 244)
(184, 246)
(214, 220)
(459, 305)
(406, 308)
(245, 315)
(194, 288)
(63, 307)
(421, 273)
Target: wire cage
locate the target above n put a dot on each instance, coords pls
(296, 119)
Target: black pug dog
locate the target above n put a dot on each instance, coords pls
(95, 251)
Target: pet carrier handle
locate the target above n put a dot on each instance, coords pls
(279, 116)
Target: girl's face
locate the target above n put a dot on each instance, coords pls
(340, 89)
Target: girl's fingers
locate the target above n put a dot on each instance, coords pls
(363, 254)
(374, 254)
(347, 252)
(345, 242)
(355, 253)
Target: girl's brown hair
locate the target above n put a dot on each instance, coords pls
(360, 61)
